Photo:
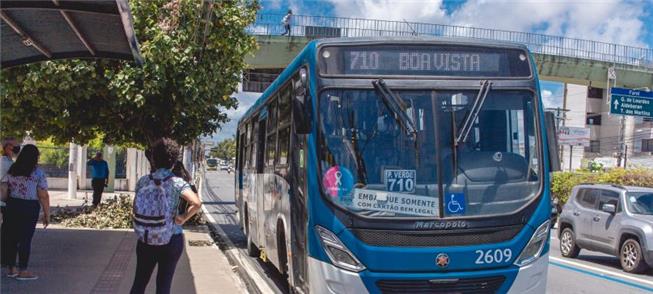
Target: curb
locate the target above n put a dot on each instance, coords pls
(249, 276)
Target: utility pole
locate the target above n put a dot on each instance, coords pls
(622, 141)
(612, 76)
(625, 156)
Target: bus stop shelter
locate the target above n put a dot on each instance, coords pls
(40, 30)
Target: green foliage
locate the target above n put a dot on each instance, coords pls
(53, 155)
(226, 149)
(193, 55)
(563, 182)
(595, 166)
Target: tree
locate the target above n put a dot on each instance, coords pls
(193, 55)
(226, 149)
(53, 155)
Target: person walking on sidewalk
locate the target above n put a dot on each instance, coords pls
(156, 220)
(286, 23)
(10, 149)
(28, 192)
(99, 175)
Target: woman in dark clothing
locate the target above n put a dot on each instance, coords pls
(28, 193)
(163, 156)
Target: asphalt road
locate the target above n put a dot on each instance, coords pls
(591, 272)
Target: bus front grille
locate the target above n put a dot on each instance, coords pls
(399, 238)
(467, 285)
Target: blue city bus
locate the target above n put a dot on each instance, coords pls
(388, 165)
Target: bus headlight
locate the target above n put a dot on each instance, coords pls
(339, 254)
(533, 249)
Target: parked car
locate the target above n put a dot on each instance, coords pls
(616, 220)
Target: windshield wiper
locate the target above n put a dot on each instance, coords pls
(397, 107)
(473, 113)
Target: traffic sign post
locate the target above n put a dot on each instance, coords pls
(631, 102)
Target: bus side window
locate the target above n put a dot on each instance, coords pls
(271, 146)
(241, 149)
(284, 138)
(284, 125)
(271, 134)
(248, 146)
(272, 116)
(284, 105)
(255, 144)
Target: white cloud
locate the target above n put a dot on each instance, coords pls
(546, 98)
(245, 101)
(546, 93)
(410, 10)
(552, 93)
(621, 22)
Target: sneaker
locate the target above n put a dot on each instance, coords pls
(12, 275)
(26, 277)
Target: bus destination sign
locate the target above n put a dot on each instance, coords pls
(424, 60)
(420, 61)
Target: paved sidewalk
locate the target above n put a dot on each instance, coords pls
(74, 260)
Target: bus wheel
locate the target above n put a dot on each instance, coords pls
(252, 250)
(282, 253)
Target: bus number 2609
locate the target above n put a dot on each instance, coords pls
(493, 256)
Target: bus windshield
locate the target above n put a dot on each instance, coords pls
(371, 166)
(212, 162)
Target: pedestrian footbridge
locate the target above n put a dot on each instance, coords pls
(560, 59)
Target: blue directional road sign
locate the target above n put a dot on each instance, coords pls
(631, 102)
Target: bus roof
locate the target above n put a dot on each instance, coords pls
(420, 40)
(311, 47)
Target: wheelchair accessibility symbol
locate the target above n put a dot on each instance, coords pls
(456, 203)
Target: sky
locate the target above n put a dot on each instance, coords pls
(612, 21)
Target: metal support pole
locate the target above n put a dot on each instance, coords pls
(571, 152)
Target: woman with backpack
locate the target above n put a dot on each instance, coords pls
(157, 221)
(27, 189)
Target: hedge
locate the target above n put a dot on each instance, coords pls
(563, 182)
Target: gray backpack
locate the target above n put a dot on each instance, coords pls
(153, 219)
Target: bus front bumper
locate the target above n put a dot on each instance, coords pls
(325, 278)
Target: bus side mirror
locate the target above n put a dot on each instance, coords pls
(552, 144)
(301, 104)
